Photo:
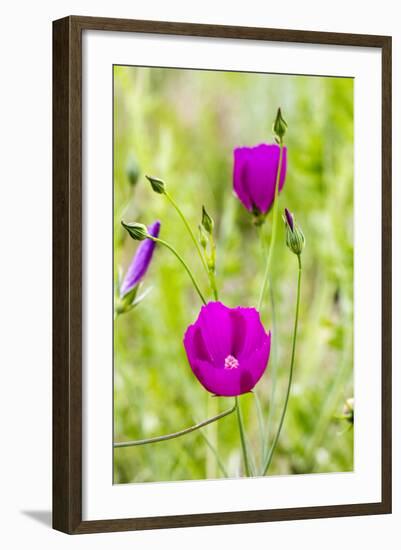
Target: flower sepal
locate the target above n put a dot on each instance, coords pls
(259, 217)
(279, 128)
(137, 231)
(207, 221)
(130, 300)
(157, 184)
(124, 303)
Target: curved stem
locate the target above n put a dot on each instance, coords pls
(242, 437)
(176, 434)
(188, 227)
(274, 230)
(294, 340)
(173, 250)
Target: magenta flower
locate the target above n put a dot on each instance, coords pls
(255, 173)
(227, 348)
(140, 262)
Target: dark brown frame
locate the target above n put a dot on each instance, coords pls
(67, 275)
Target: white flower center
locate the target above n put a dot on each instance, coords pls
(230, 362)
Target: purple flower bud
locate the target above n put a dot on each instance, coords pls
(290, 219)
(255, 173)
(294, 237)
(227, 348)
(140, 262)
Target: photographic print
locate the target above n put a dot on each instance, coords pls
(221, 275)
(233, 274)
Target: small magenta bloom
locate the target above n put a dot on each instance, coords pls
(140, 262)
(255, 173)
(227, 348)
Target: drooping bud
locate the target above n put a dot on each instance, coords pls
(295, 238)
(207, 221)
(132, 170)
(279, 127)
(157, 184)
(137, 231)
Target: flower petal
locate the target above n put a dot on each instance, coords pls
(262, 172)
(233, 382)
(241, 156)
(140, 262)
(215, 325)
(221, 332)
(195, 346)
(253, 333)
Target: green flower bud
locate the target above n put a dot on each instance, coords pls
(138, 231)
(132, 170)
(123, 304)
(157, 184)
(207, 221)
(203, 238)
(295, 239)
(279, 127)
(348, 410)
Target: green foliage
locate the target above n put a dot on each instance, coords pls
(182, 126)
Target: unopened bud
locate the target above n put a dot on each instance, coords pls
(295, 239)
(202, 237)
(138, 231)
(279, 127)
(348, 410)
(207, 221)
(157, 184)
(132, 170)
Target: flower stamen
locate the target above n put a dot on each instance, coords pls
(231, 362)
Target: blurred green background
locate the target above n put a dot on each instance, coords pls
(182, 126)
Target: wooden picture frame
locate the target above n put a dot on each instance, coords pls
(67, 273)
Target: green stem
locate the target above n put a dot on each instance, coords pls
(273, 366)
(294, 340)
(274, 230)
(259, 412)
(176, 434)
(188, 227)
(212, 279)
(242, 437)
(173, 250)
(212, 269)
